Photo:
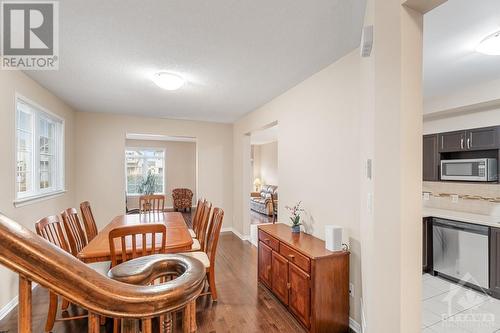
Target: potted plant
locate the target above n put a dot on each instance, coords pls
(148, 187)
(295, 217)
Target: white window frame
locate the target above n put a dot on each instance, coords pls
(163, 167)
(58, 179)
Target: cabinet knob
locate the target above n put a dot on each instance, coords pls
(291, 256)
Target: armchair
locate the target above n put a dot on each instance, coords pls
(183, 198)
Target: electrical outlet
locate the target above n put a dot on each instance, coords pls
(426, 196)
(454, 198)
(351, 290)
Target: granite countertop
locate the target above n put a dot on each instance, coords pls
(488, 220)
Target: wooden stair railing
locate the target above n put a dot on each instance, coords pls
(35, 259)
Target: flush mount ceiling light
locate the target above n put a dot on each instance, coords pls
(490, 45)
(168, 81)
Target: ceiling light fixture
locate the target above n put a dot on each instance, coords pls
(168, 81)
(490, 45)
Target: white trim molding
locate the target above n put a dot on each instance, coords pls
(234, 231)
(7, 308)
(354, 325)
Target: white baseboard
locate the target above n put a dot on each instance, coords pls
(234, 231)
(12, 304)
(354, 325)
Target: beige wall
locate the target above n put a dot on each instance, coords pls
(461, 121)
(357, 109)
(12, 82)
(269, 163)
(265, 163)
(255, 161)
(309, 168)
(100, 160)
(180, 167)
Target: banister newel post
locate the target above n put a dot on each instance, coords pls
(24, 318)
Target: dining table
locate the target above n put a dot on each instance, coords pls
(178, 238)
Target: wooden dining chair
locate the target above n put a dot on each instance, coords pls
(207, 257)
(133, 244)
(196, 218)
(134, 241)
(88, 221)
(153, 202)
(201, 235)
(74, 230)
(50, 229)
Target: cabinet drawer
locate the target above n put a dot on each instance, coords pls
(270, 241)
(295, 257)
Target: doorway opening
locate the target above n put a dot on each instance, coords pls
(159, 164)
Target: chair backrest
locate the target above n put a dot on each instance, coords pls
(204, 221)
(213, 234)
(74, 230)
(50, 229)
(88, 220)
(182, 193)
(136, 241)
(153, 202)
(197, 215)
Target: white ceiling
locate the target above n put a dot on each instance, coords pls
(451, 34)
(237, 55)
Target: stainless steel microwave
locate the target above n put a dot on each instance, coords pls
(476, 170)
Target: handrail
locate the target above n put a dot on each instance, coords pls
(35, 259)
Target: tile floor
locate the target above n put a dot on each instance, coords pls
(451, 308)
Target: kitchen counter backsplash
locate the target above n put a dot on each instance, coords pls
(473, 198)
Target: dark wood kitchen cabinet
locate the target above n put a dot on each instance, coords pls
(482, 138)
(430, 160)
(472, 139)
(451, 141)
(427, 244)
(495, 262)
(312, 282)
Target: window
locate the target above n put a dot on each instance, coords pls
(141, 163)
(39, 152)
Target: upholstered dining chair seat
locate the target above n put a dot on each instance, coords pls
(102, 267)
(196, 245)
(192, 233)
(201, 256)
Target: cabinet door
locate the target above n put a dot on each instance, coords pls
(495, 262)
(482, 138)
(426, 244)
(451, 141)
(300, 294)
(265, 264)
(280, 277)
(431, 158)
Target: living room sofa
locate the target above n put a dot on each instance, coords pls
(264, 200)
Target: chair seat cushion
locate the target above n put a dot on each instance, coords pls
(201, 256)
(196, 245)
(192, 233)
(101, 267)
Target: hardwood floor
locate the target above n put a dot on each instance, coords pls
(243, 305)
(257, 218)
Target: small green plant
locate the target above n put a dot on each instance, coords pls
(295, 211)
(148, 184)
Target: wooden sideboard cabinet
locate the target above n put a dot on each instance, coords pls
(312, 282)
